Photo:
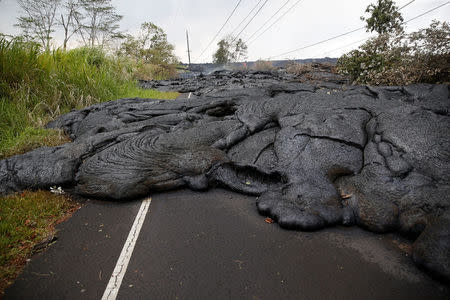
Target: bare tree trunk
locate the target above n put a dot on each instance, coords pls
(66, 32)
(93, 30)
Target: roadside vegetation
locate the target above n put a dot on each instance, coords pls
(36, 86)
(27, 225)
(38, 83)
(394, 57)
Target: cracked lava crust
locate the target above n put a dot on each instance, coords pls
(315, 155)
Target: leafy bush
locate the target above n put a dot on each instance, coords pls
(150, 52)
(146, 71)
(400, 59)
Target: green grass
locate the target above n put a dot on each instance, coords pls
(26, 219)
(31, 138)
(37, 86)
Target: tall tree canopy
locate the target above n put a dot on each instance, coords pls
(101, 23)
(384, 17)
(95, 21)
(230, 50)
(150, 45)
(38, 20)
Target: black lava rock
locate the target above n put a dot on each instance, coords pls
(316, 155)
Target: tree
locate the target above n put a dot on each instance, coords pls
(222, 55)
(38, 21)
(401, 59)
(230, 50)
(101, 22)
(150, 45)
(240, 50)
(71, 19)
(154, 44)
(384, 17)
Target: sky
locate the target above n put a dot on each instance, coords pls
(306, 22)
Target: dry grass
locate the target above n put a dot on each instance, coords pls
(263, 65)
(302, 69)
(311, 72)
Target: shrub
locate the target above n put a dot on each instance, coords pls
(401, 59)
(146, 71)
(314, 72)
(263, 65)
(298, 69)
(150, 53)
(301, 69)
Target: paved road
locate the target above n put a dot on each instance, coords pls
(214, 245)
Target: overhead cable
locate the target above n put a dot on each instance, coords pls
(352, 31)
(265, 23)
(246, 17)
(276, 21)
(257, 12)
(220, 30)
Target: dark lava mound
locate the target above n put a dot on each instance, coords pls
(316, 155)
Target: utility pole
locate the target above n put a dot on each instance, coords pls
(188, 51)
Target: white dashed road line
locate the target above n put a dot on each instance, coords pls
(112, 289)
(190, 94)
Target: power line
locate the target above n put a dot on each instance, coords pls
(352, 31)
(318, 43)
(364, 39)
(243, 20)
(406, 4)
(433, 9)
(361, 40)
(276, 21)
(285, 3)
(220, 30)
(257, 12)
(342, 47)
(293, 7)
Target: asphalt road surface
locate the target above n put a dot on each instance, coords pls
(214, 245)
